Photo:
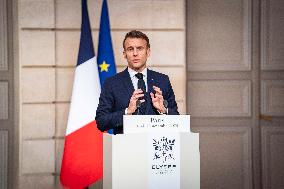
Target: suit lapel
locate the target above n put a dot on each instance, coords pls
(126, 80)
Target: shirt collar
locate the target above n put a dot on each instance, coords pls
(133, 72)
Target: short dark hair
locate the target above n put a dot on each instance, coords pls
(136, 34)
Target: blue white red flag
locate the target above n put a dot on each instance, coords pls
(82, 162)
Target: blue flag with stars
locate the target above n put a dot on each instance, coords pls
(105, 60)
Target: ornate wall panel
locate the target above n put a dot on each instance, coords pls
(225, 157)
(3, 36)
(272, 48)
(3, 159)
(3, 100)
(219, 98)
(272, 99)
(219, 35)
(273, 157)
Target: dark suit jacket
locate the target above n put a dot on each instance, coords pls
(116, 93)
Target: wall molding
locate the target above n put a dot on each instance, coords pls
(4, 108)
(246, 133)
(267, 60)
(230, 65)
(267, 134)
(219, 98)
(3, 159)
(3, 36)
(271, 92)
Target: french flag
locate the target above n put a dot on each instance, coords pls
(82, 161)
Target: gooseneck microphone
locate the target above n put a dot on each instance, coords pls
(165, 103)
(138, 105)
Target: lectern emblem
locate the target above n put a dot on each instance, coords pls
(163, 158)
(164, 149)
(163, 153)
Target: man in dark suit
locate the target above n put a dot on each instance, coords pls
(136, 90)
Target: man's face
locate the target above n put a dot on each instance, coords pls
(136, 53)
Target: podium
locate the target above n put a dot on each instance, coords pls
(155, 151)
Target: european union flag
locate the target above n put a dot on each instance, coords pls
(105, 60)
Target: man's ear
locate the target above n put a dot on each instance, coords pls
(124, 55)
(148, 52)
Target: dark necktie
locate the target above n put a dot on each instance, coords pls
(141, 85)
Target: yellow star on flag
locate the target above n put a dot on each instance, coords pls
(104, 66)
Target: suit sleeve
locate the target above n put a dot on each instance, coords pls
(170, 97)
(106, 117)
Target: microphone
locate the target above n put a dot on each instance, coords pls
(143, 92)
(165, 103)
(138, 105)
